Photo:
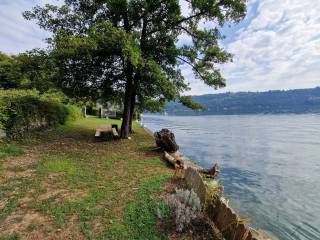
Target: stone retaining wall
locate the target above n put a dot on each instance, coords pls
(224, 217)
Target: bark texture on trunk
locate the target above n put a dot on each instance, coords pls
(133, 100)
(132, 112)
(125, 127)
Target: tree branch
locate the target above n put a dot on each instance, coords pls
(189, 17)
(193, 67)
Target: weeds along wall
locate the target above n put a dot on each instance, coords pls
(24, 110)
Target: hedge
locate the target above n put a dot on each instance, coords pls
(24, 110)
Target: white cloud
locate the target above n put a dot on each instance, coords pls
(278, 49)
(17, 34)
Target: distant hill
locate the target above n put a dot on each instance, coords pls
(291, 101)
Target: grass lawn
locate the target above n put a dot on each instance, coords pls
(62, 184)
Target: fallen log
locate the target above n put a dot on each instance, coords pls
(178, 163)
(212, 172)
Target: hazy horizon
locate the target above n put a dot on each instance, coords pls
(257, 91)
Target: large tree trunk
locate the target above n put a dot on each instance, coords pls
(133, 99)
(132, 109)
(125, 127)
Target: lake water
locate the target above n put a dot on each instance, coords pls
(270, 165)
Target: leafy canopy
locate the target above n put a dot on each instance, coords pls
(30, 70)
(100, 45)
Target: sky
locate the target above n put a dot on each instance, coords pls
(277, 45)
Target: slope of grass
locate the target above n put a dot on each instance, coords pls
(67, 185)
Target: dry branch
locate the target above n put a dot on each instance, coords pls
(178, 163)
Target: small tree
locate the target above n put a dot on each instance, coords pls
(30, 70)
(10, 74)
(128, 48)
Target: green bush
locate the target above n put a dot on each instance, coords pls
(25, 110)
(74, 113)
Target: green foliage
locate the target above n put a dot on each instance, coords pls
(188, 102)
(10, 76)
(54, 96)
(3, 116)
(30, 70)
(74, 113)
(153, 105)
(100, 47)
(25, 110)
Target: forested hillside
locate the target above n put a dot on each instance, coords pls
(291, 101)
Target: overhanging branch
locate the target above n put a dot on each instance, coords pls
(193, 67)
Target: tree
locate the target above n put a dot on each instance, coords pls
(38, 70)
(10, 74)
(128, 48)
(30, 70)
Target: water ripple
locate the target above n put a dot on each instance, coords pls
(270, 165)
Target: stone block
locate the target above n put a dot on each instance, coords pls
(194, 181)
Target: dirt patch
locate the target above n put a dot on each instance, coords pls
(70, 230)
(22, 222)
(51, 193)
(62, 195)
(24, 174)
(71, 196)
(18, 167)
(24, 202)
(35, 226)
(98, 227)
(3, 204)
(23, 161)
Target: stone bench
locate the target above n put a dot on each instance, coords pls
(107, 130)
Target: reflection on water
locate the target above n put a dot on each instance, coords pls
(270, 165)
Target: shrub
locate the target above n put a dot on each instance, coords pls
(187, 208)
(3, 117)
(74, 113)
(25, 110)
